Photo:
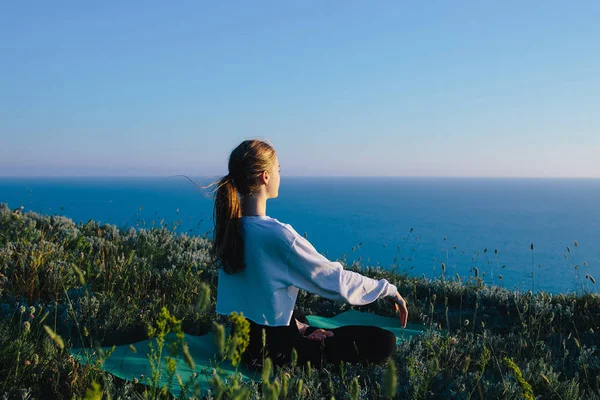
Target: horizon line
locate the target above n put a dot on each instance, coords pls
(296, 176)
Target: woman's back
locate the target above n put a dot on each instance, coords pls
(261, 290)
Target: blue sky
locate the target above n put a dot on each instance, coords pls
(356, 88)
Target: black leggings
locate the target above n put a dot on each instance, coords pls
(355, 344)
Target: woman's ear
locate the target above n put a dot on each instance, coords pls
(264, 177)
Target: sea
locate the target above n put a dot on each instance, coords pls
(523, 234)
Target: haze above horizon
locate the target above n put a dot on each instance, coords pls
(438, 89)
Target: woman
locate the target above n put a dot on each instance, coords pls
(265, 262)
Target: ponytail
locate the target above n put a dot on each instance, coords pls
(228, 246)
(246, 162)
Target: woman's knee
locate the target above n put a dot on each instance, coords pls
(390, 340)
(383, 345)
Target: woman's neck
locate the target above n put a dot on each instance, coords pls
(254, 206)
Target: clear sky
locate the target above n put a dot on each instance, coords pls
(381, 88)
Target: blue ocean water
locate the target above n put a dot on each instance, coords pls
(411, 224)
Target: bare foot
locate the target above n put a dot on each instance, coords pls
(320, 334)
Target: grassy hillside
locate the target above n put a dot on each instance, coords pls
(95, 285)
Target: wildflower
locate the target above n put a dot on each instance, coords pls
(466, 322)
(36, 359)
(390, 380)
(453, 341)
(217, 386)
(241, 338)
(27, 362)
(545, 378)
(219, 332)
(22, 309)
(135, 380)
(188, 358)
(527, 390)
(31, 310)
(27, 326)
(285, 379)
(203, 297)
(266, 371)
(294, 358)
(55, 337)
(31, 316)
(354, 389)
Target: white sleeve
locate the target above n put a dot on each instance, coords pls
(308, 270)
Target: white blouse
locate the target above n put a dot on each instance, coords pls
(279, 262)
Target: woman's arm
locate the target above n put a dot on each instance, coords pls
(308, 270)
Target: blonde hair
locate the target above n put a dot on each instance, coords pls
(246, 162)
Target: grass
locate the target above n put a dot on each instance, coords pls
(66, 285)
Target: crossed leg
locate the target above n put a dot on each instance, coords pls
(352, 344)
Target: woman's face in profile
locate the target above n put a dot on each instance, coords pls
(274, 179)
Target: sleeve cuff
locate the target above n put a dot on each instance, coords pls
(392, 290)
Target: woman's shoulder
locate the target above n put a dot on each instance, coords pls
(274, 226)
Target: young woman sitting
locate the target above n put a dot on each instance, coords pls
(264, 263)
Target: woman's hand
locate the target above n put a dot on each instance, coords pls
(400, 307)
(320, 335)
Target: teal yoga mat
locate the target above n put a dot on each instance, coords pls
(354, 317)
(129, 365)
